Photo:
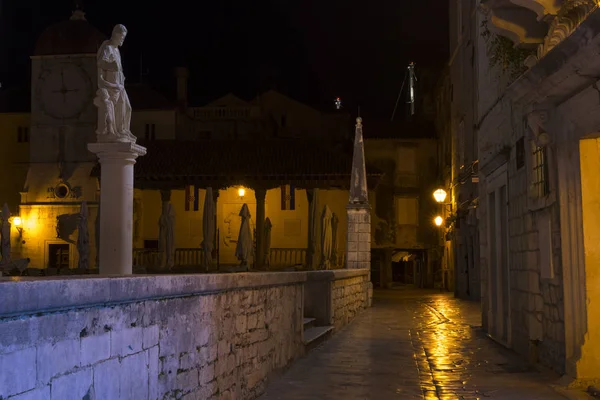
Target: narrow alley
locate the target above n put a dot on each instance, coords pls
(415, 345)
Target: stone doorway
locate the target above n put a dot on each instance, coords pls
(499, 318)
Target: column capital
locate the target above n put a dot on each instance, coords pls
(117, 152)
(260, 194)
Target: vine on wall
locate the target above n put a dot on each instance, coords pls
(503, 53)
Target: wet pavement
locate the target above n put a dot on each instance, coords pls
(415, 345)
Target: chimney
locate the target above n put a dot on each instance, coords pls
(182, 74)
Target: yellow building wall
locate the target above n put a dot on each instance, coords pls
(289, 227)
(39, 230)
(14, 157)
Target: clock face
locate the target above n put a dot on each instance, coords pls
(64, 91)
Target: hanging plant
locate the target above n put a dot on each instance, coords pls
(503, 53)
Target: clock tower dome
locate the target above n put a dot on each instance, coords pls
(63, 84)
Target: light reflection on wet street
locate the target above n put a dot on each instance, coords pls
(413, 345)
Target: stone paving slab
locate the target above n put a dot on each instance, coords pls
(414, 345)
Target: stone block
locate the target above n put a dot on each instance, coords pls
(107, 378)
(352, 237)
(186, 380)
(42, 393)
(17, 372)
(207, 374)
(17, 334)
(72, 386)
(94, 348)
(150, 336)
(153, 372)
(56, 359)
(133, 379)
(125, 341)
(209, 353)
(364, 246)
(225, 382)
(241, 323)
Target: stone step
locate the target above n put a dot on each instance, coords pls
(316, 335)
(309, 322)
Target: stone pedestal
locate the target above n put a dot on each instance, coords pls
(358, 243)
(116, 200)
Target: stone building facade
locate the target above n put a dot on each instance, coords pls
(536, 123)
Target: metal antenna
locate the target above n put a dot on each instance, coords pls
(411, 90)
(398, 98)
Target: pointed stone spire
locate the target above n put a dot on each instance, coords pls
(358, 239)
(358, 182)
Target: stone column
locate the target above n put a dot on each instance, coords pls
(260, 195)
(313, 217)
(165, 259)
(358, 246)
(386, 278)
(116, 200)
(216, 246)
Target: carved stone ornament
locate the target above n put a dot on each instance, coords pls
(571, 14)
(537, 120)
(114, 109)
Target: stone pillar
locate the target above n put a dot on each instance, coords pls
(166, 261)
(386, 277)
(358, 246)
(260, 195)
(116, 200)
(313, 220)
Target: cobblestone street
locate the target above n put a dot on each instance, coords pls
(415, 345)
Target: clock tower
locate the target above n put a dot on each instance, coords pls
(63, 122)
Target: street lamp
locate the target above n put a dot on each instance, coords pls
(438, 221)
(241, 192)
(18, 223)
(440, 195)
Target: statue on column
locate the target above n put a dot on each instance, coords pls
(114, 109)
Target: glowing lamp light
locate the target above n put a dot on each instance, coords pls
(241, 192)
(17, 221)
(440, 195)
(438, 221)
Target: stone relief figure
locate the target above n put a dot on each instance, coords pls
(106, 114)
(114, 109)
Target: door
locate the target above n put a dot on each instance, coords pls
(498, 256)
(58, 255)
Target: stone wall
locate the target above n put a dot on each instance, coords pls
(335, 297)
(537, 325)
(358, 252)
(349, 296)
(149, 337)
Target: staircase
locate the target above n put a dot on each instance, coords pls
(315, 335)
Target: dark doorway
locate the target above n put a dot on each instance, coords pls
(58, 256)
(403, 272)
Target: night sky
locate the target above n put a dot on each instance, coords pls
(311, 50)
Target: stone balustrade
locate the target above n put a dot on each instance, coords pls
(160, 336)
